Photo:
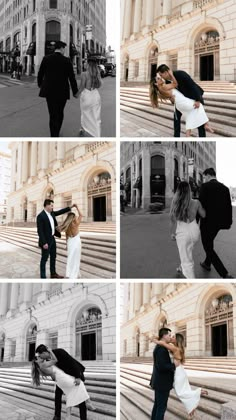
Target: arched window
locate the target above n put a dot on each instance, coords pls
(53, 31)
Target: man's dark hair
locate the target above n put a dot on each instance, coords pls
(163, 331)
(41, 349)
(162, 68)
(210, 171)
(59, 45)
(47, 202)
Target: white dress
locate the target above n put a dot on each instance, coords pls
(73, 257)
(75, 394)
(90, 105)
(189, 397)
(194, 117)
(187, 234)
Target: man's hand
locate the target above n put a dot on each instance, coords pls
(45, 246)
(197, 104)
(77, 381)
(76, 95)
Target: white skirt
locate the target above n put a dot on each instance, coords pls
(75, 394)
(188, 396)
(73, 257)
(90, 105)
(194, 117)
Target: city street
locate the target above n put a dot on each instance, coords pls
(24, 114)
(148, 252)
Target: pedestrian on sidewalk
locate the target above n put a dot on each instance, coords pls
(55, 74)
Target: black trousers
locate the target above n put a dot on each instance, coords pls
(52, 251)
(160, 404)
(56, 115)
(58, 397)
(177, 124)
(208, 234)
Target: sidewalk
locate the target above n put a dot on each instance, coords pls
(9, 411)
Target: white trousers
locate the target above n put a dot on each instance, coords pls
(73, 257)
(187, 234)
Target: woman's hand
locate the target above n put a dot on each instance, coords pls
(173, 237)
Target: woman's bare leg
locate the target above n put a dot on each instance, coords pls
(90, 405)
(188, 133)
(208, 128)
(68, 413)
(204, 392)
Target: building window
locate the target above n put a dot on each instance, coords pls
(136, 69)
(53, 340)
(53, 4)
(13, 348)
(34, 5)
(71, 7)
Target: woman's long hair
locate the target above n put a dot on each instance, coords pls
(35, 373)
(67, 222)
(180, 344)
(155, 94)
(94, 73)
(180, 203)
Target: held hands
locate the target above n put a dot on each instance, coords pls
(45, 246)
(173, 237)
(77, 381)
(76, 95)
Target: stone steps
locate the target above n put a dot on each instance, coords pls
(221, 112)
(95, 227)
(219, 86)
(137, 397)
(98, 256)
(101, 386)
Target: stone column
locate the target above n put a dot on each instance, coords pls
(29, 38)
(44, 155)
(33, 162)
(167, 7)
(28, 289)
(146, 293)
(126, 303)
(40, 40)
(3, 298)
(169, 173)
(13, 168)
(14, 296)
(30, 207)
(157, 10)
(146, 174)
(60, 150)
(44, 292)
(131, 300)
(149, 12)
(137, 16)
(137, 296)
(25, 161)
(156, 289)
(127, 19)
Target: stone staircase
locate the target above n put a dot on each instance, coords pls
(98, 259)
(219, 105)
(16, 388)
(95, 227)
(137, 397)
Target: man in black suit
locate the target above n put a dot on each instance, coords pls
(55, 73)
(215, 199)
(70, 366)
(162, 376)
(46, 226)
(188, 88)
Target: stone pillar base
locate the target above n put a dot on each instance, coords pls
(228, 411)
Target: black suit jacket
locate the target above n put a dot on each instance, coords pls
(187, 86)
(68, 364)
(54, 75)
(163, 370)
(215, 199)
(44, 226)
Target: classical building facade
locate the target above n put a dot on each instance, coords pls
(79, 318)
(68, 172)
(197, 36)
(151, 171)
(5, 177)
(204, 313)
(29, 29)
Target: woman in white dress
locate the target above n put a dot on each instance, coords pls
(184, 227)
(71, 228)
(188, 396)
(90, 100)
(75, 394)
(194, 117)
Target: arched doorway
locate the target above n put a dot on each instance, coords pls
(53, 34)
(99, 197)
(31, 336)
(128, 186)
(158, 183)
(88, 331)
(219, 325)
(207, 55)
(137, 343)
(25, 209)
(2, 345)
(152, 62)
